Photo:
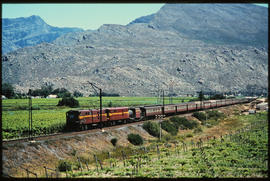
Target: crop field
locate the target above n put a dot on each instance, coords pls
(240, 154)
(49, 118)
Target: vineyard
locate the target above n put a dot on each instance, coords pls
(240, 153)
(49, 118)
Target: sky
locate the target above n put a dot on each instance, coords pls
(85, 16)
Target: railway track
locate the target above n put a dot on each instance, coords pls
(91, 131)
(69, 134)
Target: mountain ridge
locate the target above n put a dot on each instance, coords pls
(28, 31)
(138, 59)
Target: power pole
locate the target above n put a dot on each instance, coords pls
(100, 99)
(163, 97)
(171, 93)
(30, 116)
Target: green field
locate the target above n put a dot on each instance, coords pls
(49, 118)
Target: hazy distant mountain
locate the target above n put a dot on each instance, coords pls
(152, 53)
(30, 31)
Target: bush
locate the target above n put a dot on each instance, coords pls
(68, 101)
(77, 94)
(114, 141)
(166, 138)
(110, 104)
(183, 123)
(169, 127)
(63, 95)
(200, 116)
(198, 130)
(189, 135)
(8, 90)
(64, 165)
(135, 139)
(214, 115)
(152, 128)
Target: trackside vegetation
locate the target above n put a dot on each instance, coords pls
(242, 153)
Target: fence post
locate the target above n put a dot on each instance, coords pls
(158, 152)
(57, 172)
(201, 142)
(124, 161)
(95, 157)
(109, 156)
(27, 173)
(79, 163)
(87, 166)
(46, 173)
(100, 164)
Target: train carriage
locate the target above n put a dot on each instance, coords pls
(222, 102)
(198, 105)
(206, 104)
(212, 103)
(181, 107)
(170, 109)
(151, 111)
(191, 106)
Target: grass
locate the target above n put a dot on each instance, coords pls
(242, 155)
(49, 118)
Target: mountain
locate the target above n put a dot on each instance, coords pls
(143, 19)
(142, 57)
(214, 23)
(30, 31)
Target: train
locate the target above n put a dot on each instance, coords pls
(91, 118)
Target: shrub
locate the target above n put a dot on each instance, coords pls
(135, 139)
(7, 90)
(169, 127)
(214, 115)
(152, 128)
(110, 104)
(64, 165)
(166, 138)
(77, 94)
(198, 130)
(68, 101)
(200, 116)
(114, 141)
(184, 123)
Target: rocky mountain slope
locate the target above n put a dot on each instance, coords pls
(214, 23)
(30, 31)
(145, 55)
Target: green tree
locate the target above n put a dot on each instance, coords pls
(46, 90)
(77, 94)
(8, 90)
(61, 92)
(201, 96)
(68, 101)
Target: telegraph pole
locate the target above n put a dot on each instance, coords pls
(100, 99)
(100, 105)
(30, 116)
(163, 97)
